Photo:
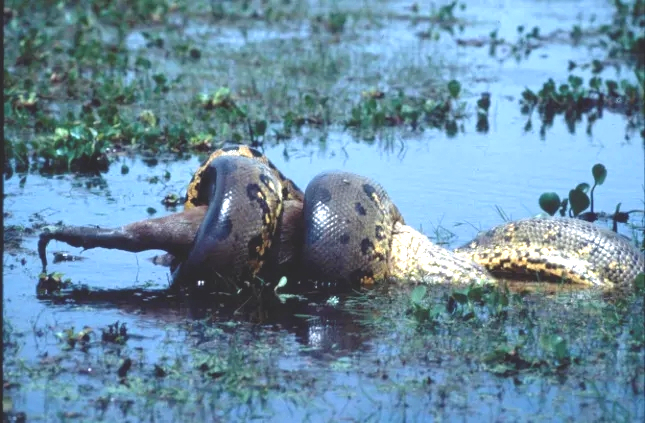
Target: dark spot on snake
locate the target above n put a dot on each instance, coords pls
(379, 232)
(285, 192)
(360, 209)
(370, 191)
(231, 148)
(252, 191)
(256, 153)
(324, 195)
(224, 230)
(504, 262)
(367, 246)
(344, 238)
(533, 260)
(266, 180)
(255, 246)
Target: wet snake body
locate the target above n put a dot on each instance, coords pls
(345, 230)
(243, 221)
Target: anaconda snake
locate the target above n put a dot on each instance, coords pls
(244, 219)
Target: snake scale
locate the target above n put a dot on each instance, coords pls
(243, 219)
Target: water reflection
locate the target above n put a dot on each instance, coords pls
(322, 330)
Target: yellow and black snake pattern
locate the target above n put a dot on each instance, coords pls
(346, 231)
(245, 195)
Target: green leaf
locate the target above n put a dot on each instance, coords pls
(584, 187)
(559, 346)
(260, 127)
(309, 101)
(579, 201)
(550, 202)
(575, 82)
(76, 133)
(612, 86)
(639, 282)
(460, 297)
(475, 293)
(282, 283)
(599, 172)
(418, 293)
(454, 87)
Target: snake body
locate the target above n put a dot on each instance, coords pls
(244, 220)
(349, 233)
(246, 204)
(556, 249)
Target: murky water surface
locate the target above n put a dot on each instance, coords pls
(453, 183)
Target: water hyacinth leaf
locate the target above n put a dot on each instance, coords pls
(612, 86)
(584, 187)
(460, 297)
(61, 134)
(475, 293)
(454, 88)
(559, 346)
(599, 173)
(575, 81)
(550, 202)
(309, 101)
(418, 293)
(579, 201)
(563, 208)
(282, 283)
(639, 282)
(260, 127)
(407, 110)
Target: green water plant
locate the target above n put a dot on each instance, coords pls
(474, 302)
(377, 110)
(574, 101)
(581, 198)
